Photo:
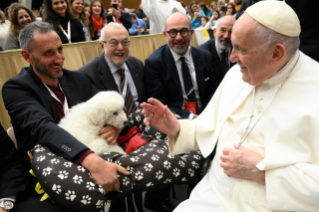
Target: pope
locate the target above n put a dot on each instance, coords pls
(263, 122)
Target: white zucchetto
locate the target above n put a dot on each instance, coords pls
(276, 15)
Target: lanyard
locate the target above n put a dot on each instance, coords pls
(68, 35)
(125, 85)
(65, 105)
(247, 132)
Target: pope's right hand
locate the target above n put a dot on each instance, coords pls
(160, 117)
(103, 172)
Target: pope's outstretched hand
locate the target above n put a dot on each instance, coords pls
(160, 117)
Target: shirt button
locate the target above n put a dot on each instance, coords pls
(260, 99)
(259, 111)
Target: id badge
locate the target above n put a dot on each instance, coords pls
(190, 107)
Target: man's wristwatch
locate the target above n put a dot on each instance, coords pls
(6, 205)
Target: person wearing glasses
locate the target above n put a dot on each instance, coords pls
(105, 71)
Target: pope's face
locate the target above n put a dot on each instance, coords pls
(247, 53)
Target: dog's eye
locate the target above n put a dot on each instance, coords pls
(115, 113)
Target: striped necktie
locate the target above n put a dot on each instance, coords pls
(129, 102)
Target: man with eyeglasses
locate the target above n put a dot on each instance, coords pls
(115, 70)
(177, 74)
(220, 47)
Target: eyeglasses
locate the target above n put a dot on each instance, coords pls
(115, 43)
(173, 32)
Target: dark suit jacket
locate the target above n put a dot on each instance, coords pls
(125, 19)
(162, 81)
(217, 65)
(12, 174)
(101, 76)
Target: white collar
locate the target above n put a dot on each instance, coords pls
(187, 55)
(113, 69)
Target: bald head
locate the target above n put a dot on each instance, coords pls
(178, 17)
(228, 20)
(223, 31)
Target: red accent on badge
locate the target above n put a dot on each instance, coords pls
(190, 107)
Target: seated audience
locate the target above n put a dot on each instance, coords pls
(20, 16)
(96, 19)
(262, 121)
(138, 25)
(213, 5)
(206, 11)
(77, 9)
(158, 10)
(220, 4)
(141, 13)
(204, 21)
(231, 10)
(194, 14)
(118, 16)
(212, 23)
(87, 10)
(4, 28)
(58, 13)
(220, 47)
(238, 4)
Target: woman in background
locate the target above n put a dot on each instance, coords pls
(211, 24)
(206, 11)
(194, 14)
(96, 19)
(87, 10)
(77, 8)
(213, 5)
(204, 21)
(69, 29)
(231, 10)
(20, 16)
(4, 28)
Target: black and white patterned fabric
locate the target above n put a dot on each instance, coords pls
(151, 167)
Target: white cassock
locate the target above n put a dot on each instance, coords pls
(287, 135)
(158, 10)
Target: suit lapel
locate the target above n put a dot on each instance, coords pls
(200, 74)
(106, 76)
(171, 68)
(69, 90)
(136, 79)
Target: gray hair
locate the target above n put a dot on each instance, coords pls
(270, 37)
(109, 25)
(26, 34)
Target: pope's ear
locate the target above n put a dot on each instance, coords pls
(279, 51)
(27, 56)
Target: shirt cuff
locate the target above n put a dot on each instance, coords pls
(81, 156)
(11, 198)
(191, 116)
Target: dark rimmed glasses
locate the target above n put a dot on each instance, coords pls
(115, 43)
(173, 32)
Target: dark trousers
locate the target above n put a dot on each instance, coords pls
(131, 203)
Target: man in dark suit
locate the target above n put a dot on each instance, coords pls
(39, 97)
(220, 47)
(117, 15)
(177, 74)
(115, 70)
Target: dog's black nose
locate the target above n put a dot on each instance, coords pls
(125, 122)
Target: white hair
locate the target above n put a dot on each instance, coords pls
(109, 25)
(270, 37)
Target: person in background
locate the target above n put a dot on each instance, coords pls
(87, 10)
(231, 10)
(195, 14)
(203, 7)
(96, 19)
(4, 28)
(116, 14)
(58, 13)
(222, 12)
(141, 13)
(104, 23)
(20, 16)
(204, 21)
(212, 23)
(238, 4)
(213, 5)
(220, 4)
(77, 8)
(138, 25)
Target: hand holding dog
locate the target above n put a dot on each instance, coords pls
(160, 117)
(110, 134)
(103, 172)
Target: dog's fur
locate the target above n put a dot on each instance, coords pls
(86, 119)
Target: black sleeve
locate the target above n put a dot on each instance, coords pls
(77, 33)
(244, 5)
(12, 174)
(126, 20)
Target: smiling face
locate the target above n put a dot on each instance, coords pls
(223, 32)
(118, 54)
(87, 11)
(194, 7)
(96, 8)
(23, 18)
(229, 10)
(78, 6)
(247, 52)
(59, 6)
(179, 44)
(213, 6)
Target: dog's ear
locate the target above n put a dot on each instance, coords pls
(97, 116)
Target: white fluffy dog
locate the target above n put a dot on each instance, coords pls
(86, 119)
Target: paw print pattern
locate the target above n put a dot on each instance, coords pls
(195, 165)
(86, 199)
(167, 164)
(181, 163)
(155, 157)
(55, 161)
(168, 181)
(138, 118)
(126, 181)
(148, 167)
(149, 149)
(118, 162)
(50, 154)
(149, 184)
(70, 195)
(41, 149)
(46, 171)
(191, 172)
(134, 159)
(63, 174)
(77, 179)
(158, 135)
(99, 204)
(81, 168)
(90, 185)
(139, 175)
(67, 164)
(41, 158)
(197, 157)
(176, 172)
(160, 151)
(159, 175)
(130, 169)
(57, 188)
